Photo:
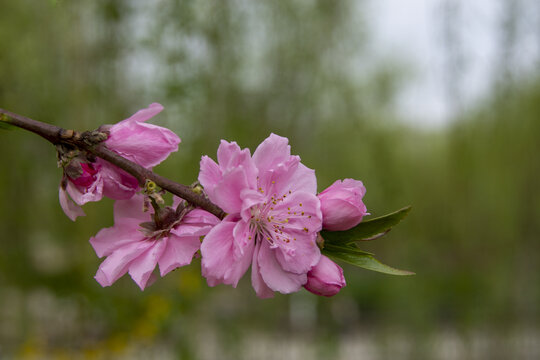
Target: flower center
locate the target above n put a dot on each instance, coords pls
(258, 224)
(269, 221)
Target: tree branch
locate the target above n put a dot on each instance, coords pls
(57, 135)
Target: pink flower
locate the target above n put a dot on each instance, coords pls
(341, 204)
(273, 217)
(325, 278)
(143, 143)
(134, 245)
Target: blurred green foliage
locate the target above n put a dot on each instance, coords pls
(238, 71)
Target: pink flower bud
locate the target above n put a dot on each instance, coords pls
(341, 204)
(325, 278)
(134, 139)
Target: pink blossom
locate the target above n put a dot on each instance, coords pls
(325, 278)
(143, 143)
(273, 217)
(341, 204)
(130, 247)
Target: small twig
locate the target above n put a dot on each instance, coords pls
(57, 135)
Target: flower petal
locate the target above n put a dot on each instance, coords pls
(261, 289)
(302, 179)
(339, 215)
(71, 209)
(147, 113)
(132, 138)
(230, 156)
(117, 184)
(300, 210)
(117, 264)
(131, 209)
(227, 194)
(142, 267)
(297, 250)
(223, 181)
(301, 254)
(197, 223)
(219, 263)
(200, 216)
(348, 189)
(244, 240)
(287, 177)
(272, 151)
(81, 195)
(109, 239)
(209, 175)
(179, 252)
(250, 198)
(273, 274)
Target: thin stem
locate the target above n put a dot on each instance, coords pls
(58, 135)
(47, 131)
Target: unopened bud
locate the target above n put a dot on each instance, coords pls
(341, 205)
(325, 278)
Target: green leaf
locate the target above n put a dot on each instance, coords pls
(366, 230)
(350, 246)
(361, 259)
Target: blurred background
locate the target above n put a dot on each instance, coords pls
(435, 104)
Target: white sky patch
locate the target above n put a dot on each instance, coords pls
(413, 32)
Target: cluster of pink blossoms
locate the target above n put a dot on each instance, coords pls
(146, 144)
(274, 214)
(274, 217)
